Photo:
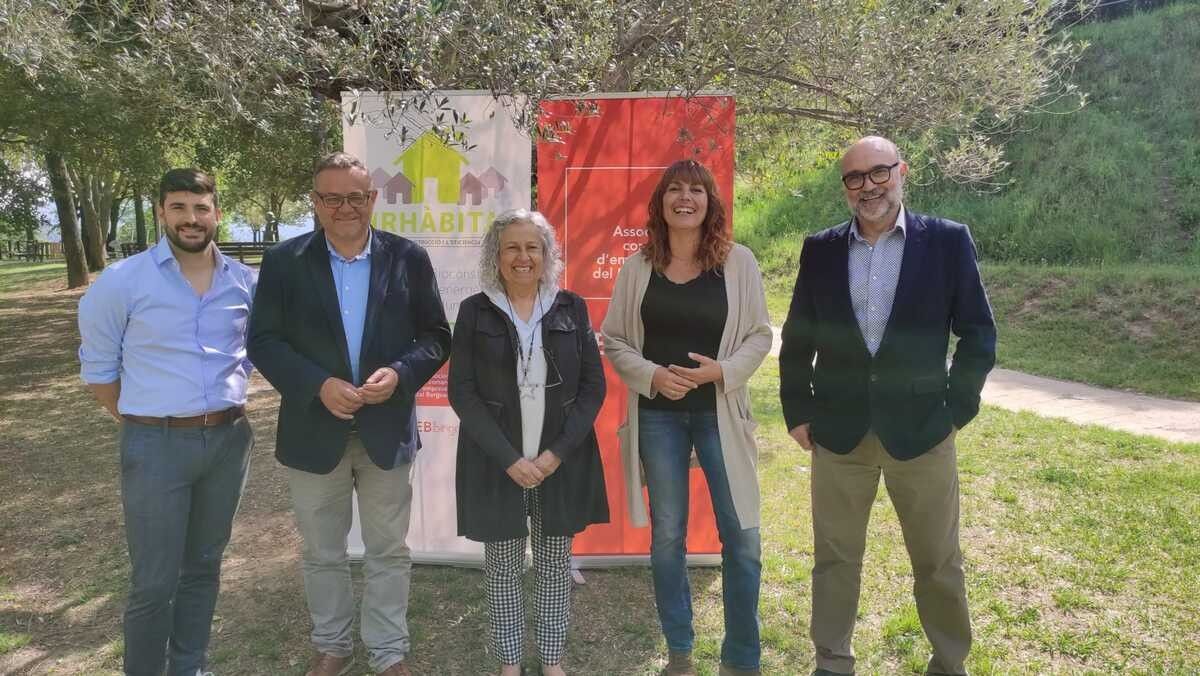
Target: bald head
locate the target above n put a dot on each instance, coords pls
(872, 147)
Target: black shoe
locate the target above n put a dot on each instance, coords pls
(826, 672)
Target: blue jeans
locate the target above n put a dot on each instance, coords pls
(180, 488)
(665, 443)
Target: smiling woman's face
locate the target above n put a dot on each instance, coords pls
(521, 256)
(684, 205)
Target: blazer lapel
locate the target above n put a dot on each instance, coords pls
(844, 303)
(318, 264)
(910, 272)
(381, 266)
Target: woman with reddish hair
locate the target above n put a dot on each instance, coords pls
(686, 329)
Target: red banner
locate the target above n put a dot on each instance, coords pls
(594, 182)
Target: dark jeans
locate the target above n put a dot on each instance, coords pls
(665, 442)
(180, 488)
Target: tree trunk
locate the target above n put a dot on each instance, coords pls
(272, 232)
(139, 219)
(68, 225)
(108, 209)
(85, 232)
(93, 228)
(114, 219)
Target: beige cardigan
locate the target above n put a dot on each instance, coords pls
(745, 341)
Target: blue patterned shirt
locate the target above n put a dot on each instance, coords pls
(175, 353)
(874, 271)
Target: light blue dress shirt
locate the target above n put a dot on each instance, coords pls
(874, 272)
(352, 280)
(175, 353)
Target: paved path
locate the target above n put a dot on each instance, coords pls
(1087, 405)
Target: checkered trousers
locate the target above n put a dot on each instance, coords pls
(503, 565)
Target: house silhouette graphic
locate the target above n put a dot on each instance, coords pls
(430, 157)
(493, 180)
(379, 178)
(472, 190)
(398, 185)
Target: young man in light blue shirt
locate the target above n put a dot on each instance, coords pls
(164, 352)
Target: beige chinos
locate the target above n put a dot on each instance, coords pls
(924, 491)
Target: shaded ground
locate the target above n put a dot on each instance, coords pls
(63, 565)
(1080, 548)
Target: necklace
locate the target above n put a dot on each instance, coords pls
(524, 359)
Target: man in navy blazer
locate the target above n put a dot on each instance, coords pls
(864, 386)
(348, 324)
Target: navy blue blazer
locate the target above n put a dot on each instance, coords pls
(296, 340)
(904, 393)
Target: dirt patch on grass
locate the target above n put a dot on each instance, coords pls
(1032, 305)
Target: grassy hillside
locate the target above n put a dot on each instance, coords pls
(1116, 182)
(1128, 327)
(1108, 196)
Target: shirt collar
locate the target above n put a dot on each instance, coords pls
(546, 299)
(362, 255)
(898, 225)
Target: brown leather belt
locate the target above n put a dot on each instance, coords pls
(212, 419)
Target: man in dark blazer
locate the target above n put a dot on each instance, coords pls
(348, 324)
(874, 304)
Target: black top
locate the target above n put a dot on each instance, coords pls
(682, 318)
(483, 392)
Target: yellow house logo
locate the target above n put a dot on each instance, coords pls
(429, 157)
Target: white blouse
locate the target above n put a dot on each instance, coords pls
(531, 366)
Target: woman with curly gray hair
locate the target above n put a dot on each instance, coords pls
(527, 384)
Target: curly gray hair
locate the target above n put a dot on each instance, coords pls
(489, 256)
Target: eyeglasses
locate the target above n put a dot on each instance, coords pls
(333, 200)
(857, 179)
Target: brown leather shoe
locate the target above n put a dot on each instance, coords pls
(329, 665)
(679, 664)
(397, 669)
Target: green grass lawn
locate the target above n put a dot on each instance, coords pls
(17, 275)
(1080, 548)
(1130, 327)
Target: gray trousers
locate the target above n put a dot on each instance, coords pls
(180, 488)
(322, 503)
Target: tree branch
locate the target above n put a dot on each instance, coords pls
(830, 116)
(780, 77)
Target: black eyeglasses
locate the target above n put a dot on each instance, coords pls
(333, 200)
(857, 179)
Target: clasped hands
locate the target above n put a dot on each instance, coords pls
(529, 473)
(343, 399)
(674, 382)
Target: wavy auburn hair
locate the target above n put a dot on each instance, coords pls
(715, 241)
